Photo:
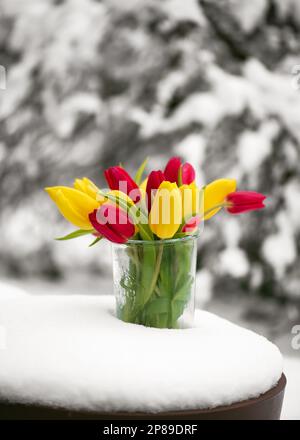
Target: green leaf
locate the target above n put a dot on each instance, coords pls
(95, 241)
(177, 310)
(183, 293)
(75, 234)
(140, 171)
(158, 306)
(180, 235)
(149, 271)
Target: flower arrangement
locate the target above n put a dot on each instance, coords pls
(153, 225)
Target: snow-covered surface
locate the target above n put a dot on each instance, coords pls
(291, 404)
(71, 351)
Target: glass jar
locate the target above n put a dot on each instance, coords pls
(154, 282)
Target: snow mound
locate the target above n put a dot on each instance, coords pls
(71, 351)
(9, 290)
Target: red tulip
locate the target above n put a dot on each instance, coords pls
(188, 174)
(173, 168)
(243, 201)
(118, 179)
(154, 180)
(113, 223)
(192, 224)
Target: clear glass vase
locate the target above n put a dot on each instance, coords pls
(154, 282)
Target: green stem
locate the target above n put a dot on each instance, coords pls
(219, 206)
(157, 268)
(156, 271)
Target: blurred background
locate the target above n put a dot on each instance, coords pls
(93, 83)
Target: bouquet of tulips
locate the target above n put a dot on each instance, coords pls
(153, 224)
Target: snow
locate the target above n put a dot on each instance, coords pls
(192, 148)
(256, 146)
(269, 95)
(249, 14)
(291, 195)
(204, 286)
(291, 404)
(71, 351)
(273, 94)
(187, 10)
(234, 262)
(279, 249)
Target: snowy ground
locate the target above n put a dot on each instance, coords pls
(246, 312)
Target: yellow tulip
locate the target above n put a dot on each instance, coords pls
(143, 185)
(191, 200)
(86, 186)
(166, 212)
(215, 194)
(74, 205)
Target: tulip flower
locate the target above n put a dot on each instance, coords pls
(244, 201)
(175, 172)
(172, 169)
(166, 212)
(112, 223)
(191, 202)
(215, 194)
(86, 186)
(118, 179)
(154, 180)
(188, 174)
(74, 205)
(191, 225)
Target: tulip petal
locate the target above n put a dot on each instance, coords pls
(87, 186)
(190, 195)
(245, 197)
(172, 169)
(118, 179)
(245, 208)
(192, 225)
(188, 174)
(73, 204)
(166, 212)
(154, 180)
(215, 194)
(244, 201)
(103, 230)
(113, 223)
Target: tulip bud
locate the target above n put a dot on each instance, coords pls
(113, 223)
(154, 180)
(74, 205)
(244, 201)
(215, 194)
(175, 172)
(191, 225)
(118, 179)
(191, 203)
(86, 186)
(172, 170)
(166, 212)
(188, 174)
